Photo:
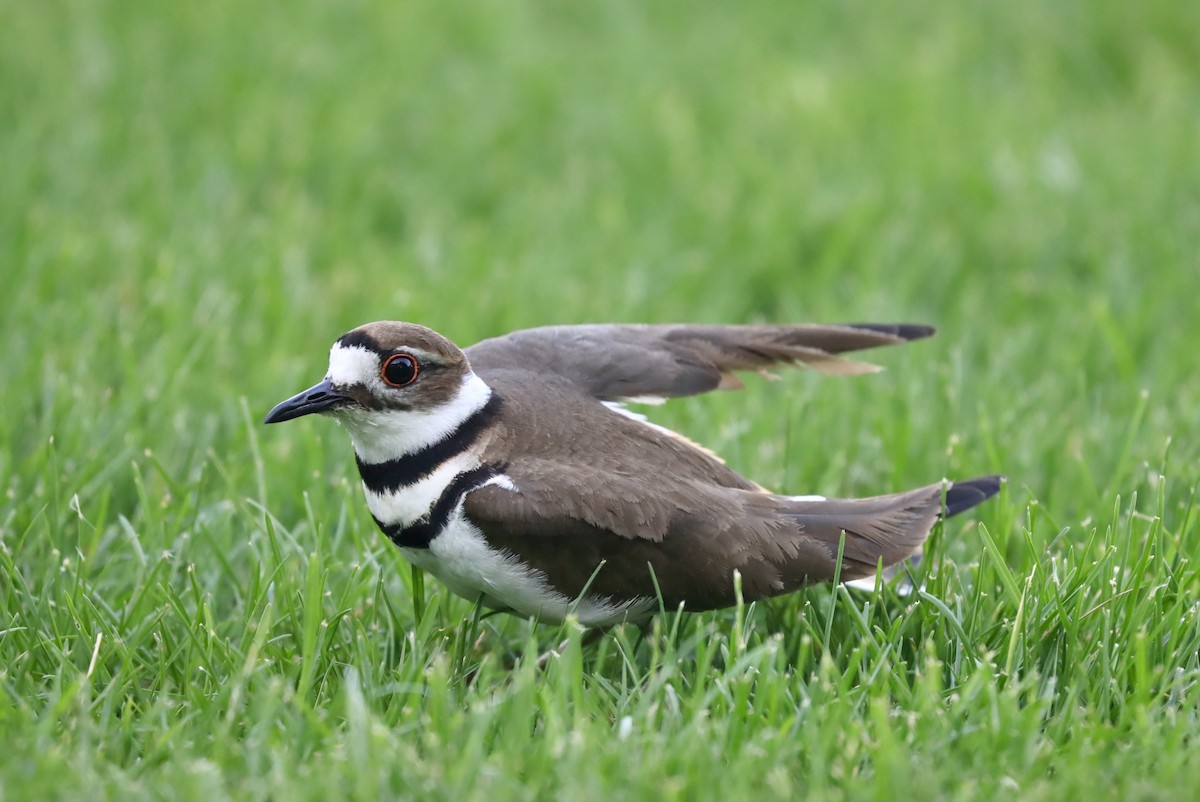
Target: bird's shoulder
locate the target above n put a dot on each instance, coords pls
(555, 433)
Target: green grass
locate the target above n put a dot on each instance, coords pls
(196, 199)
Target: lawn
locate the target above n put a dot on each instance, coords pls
(196, 199)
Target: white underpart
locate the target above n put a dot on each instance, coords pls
(808, 498)
(904, 587)
(468, 566)
(381, 435)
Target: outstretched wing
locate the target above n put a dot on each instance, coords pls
(617, 362)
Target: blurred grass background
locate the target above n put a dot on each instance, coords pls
(196, 199)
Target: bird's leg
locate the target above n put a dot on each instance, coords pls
(592, 635)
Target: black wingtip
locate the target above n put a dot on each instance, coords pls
(904, 331)
(962, 496)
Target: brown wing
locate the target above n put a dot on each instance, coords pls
(615, 362)
(626, 536)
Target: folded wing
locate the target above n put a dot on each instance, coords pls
(622, 539)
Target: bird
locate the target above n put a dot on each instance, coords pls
(514, 472)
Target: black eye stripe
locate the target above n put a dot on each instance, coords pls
(399, 370)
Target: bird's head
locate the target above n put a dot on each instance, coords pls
(392, 385)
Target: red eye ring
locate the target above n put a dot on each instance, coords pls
(399, 370)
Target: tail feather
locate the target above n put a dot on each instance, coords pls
(962, 496)
(888, 528)
(905, 331)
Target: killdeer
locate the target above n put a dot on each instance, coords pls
(513, 472)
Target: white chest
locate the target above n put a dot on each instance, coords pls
(413, 502)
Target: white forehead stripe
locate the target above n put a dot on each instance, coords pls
(352, 364)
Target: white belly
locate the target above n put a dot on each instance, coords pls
(469, 567)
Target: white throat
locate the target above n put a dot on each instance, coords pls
(382, 435)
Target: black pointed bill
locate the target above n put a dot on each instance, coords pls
(318, 398)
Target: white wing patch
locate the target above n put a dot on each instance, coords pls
(619, 408)
(652, 400)
(501, 481)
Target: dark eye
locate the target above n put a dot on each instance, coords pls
(399, 370)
